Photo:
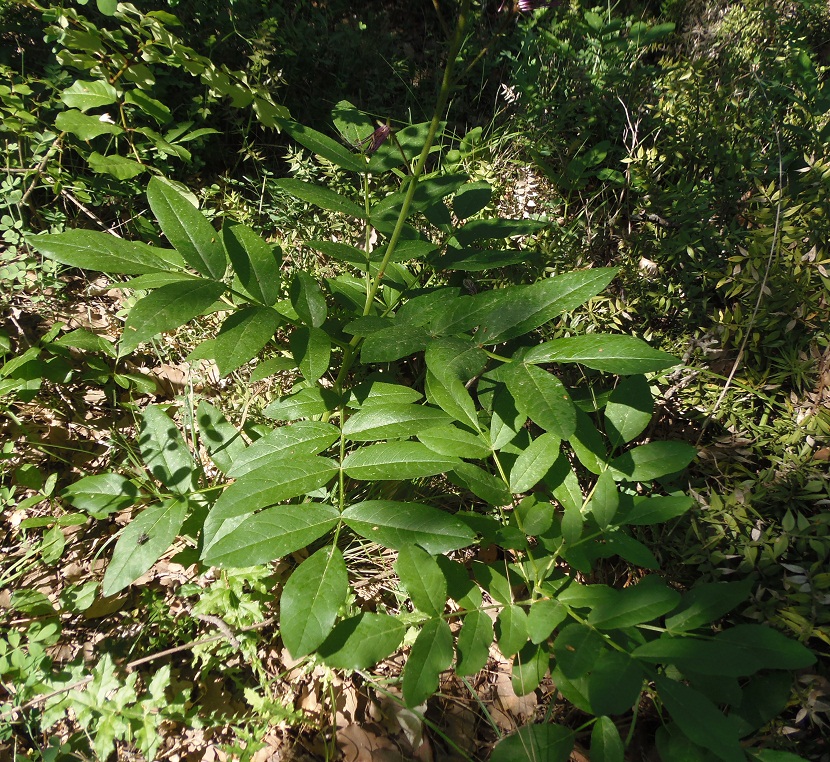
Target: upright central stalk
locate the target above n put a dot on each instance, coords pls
(440, 106)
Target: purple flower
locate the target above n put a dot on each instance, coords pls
(376, 139)
(526, 6)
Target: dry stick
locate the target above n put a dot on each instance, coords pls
(94, 217)
(773, 249)
(138, 662)
(38, 170)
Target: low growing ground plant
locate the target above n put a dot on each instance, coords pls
(427, 417)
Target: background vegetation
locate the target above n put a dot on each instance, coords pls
(684, 144)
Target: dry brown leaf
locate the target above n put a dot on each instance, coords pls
(361, 745)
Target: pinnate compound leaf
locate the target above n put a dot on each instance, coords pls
(628, 411)
(396, 461)
(393, 421)
(423, 579)
(535, 743)
(308, 300)
(623, 355)
(240, 339)
(166, 309)
(542, 397)
(320, 196)
(652, 461)
(640, 603)
(576, 648)
(187, 229)
(431, 654)
(534, 463)
(396, 525)
(269, 534)
(361, 641)
(700, 720)
(708, 602)
(143, 542)
(91, 250)
(474, 640)
(296, 439)
(164, 450)
(606, 744)
(511, 630)
(101, 494)
(310, 601)
(254, 262)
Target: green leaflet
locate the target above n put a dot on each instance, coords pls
(535, 743)
(431, 654)
(393, 421)
(167, 308)
(576, 648)
(700, 720)
(529, 668)
(606, 744)
(310, 601)
(629, 410)
(395, 525)
(308, 300)
(534, 463)
(187, 229)
(474, 640)
(541, 397)
(324, 146)
(623, 355)
(640, 603)
(614, 683)
(269, 534)
(91, 250)
(361, 641)
(320, 196)
(101, 494)
(651, 461)
(396, 460)
(300, 438)
(240, 339)
(706, 603)
(222, 441)
(423, 579)
(142, 543)
(511, 630)
(164, 451)
(255, 263)
(311, 348)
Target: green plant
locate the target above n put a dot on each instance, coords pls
(500, 452)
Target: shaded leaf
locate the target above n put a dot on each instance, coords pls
(535, 743)
(423, 579)
(164, 450)
(707, 602)
(254, 262)
(628, 411)
(361, 641)
(614, 683)
(606, 744)
(511, 630)
(653, 460)
(529, 668)
(640, 603)
(101, 494)
(320, 196)
(431, 654)
(474, 640)
(576, 648)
